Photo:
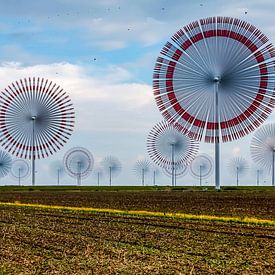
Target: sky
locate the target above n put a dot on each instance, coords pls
(103, 53)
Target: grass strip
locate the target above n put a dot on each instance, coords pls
(183, 216)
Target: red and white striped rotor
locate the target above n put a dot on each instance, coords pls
(230, 50)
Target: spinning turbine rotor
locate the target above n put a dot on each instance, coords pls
(112, 166)
(78, 163)
(215, 80)
(98, 173)
(142, 168)
(202, 167)
(156, 172)
(167, 146)
(238, 166)
(180, 170)
(57, 169)
(263, 148)
(36, 119)
(5, 163)
(20, 169)
(258, 172)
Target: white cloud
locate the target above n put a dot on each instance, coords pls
(13, 52)
(107, 102)
(107, 45)
(112, 25)
(116, 34)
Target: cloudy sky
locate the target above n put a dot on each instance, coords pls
(103, 53)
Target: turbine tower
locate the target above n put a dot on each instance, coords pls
(37, 119)
(111, 166)
(167, 146)
(214, 80)
(262, 148)
(141, 169)
(238, 166)
(201, 167)
(78, 163)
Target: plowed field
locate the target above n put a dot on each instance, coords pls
(41, 241)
